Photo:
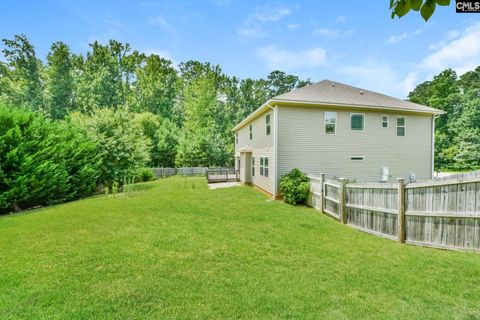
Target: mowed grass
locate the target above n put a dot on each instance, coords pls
(177, 250)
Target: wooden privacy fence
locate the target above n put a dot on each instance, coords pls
(442, 213)
(460, 175)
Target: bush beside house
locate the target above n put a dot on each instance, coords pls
(295, 187)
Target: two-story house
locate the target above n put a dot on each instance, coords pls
(337, 129)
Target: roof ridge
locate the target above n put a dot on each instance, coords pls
(329, 91)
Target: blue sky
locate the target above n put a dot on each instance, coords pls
(354, 42)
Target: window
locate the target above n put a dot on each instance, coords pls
(253, 166)
(384, 121)
(250, 130)
(401, 122)
(267, 124)
(330, 122)
(357, 121)
(236, 137)
(356, 158)
(264, 166)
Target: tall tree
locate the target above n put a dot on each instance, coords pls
(105, 75)
(22, 73)
(60, 81)
(156, 87)
(166, 138)
(201, 142)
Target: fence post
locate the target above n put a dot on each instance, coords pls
(343, 199)
(322, 187)
(401, 210)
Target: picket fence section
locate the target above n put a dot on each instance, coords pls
(460, 175)
(441, 213)
(184, 171)
(191, 171)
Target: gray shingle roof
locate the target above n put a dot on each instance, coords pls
(335, 93)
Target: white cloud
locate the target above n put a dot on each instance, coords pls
(332, 33)
(460, 53)
(159, 52)
(252, 32)
(341, 19)
(293, 26)
(277, 58)
(396, 39)
(375, 74)
(452, 34)
(161, 22)
(253, 27)
(271, 14)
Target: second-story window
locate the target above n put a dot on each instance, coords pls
(250, 131)
(330, 122)
(267, 124)
(401, 125)
(384, 121)
(236, 137)
(357, 122)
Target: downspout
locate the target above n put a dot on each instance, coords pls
(433, 145)
(275, 147)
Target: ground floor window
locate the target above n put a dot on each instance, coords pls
(253, 166)
(264, 166)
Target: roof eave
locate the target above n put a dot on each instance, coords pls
(314, 103)
(264, 107)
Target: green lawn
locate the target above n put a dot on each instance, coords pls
(175, 249)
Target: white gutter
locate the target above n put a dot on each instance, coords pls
(264, 107)
(433, 145)
(275, 151)
(358, 106)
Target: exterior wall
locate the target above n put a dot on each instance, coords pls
(261, 145)
(302, 143)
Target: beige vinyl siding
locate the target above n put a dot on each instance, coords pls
(262, 145)
(302, 143)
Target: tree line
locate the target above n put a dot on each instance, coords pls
(76, 122)
(457, 133)
(192, 106)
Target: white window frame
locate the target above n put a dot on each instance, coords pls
(268, 126)
(387, 121)
(264, 168)
(250, 131)
(404, 126)
(325, 122)
(357, 114)
(236, 137)
(253, 166)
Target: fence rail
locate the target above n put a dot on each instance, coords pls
(222, 175)
(460, 176)
(443, 213)
(212, 174)
(184, 171)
